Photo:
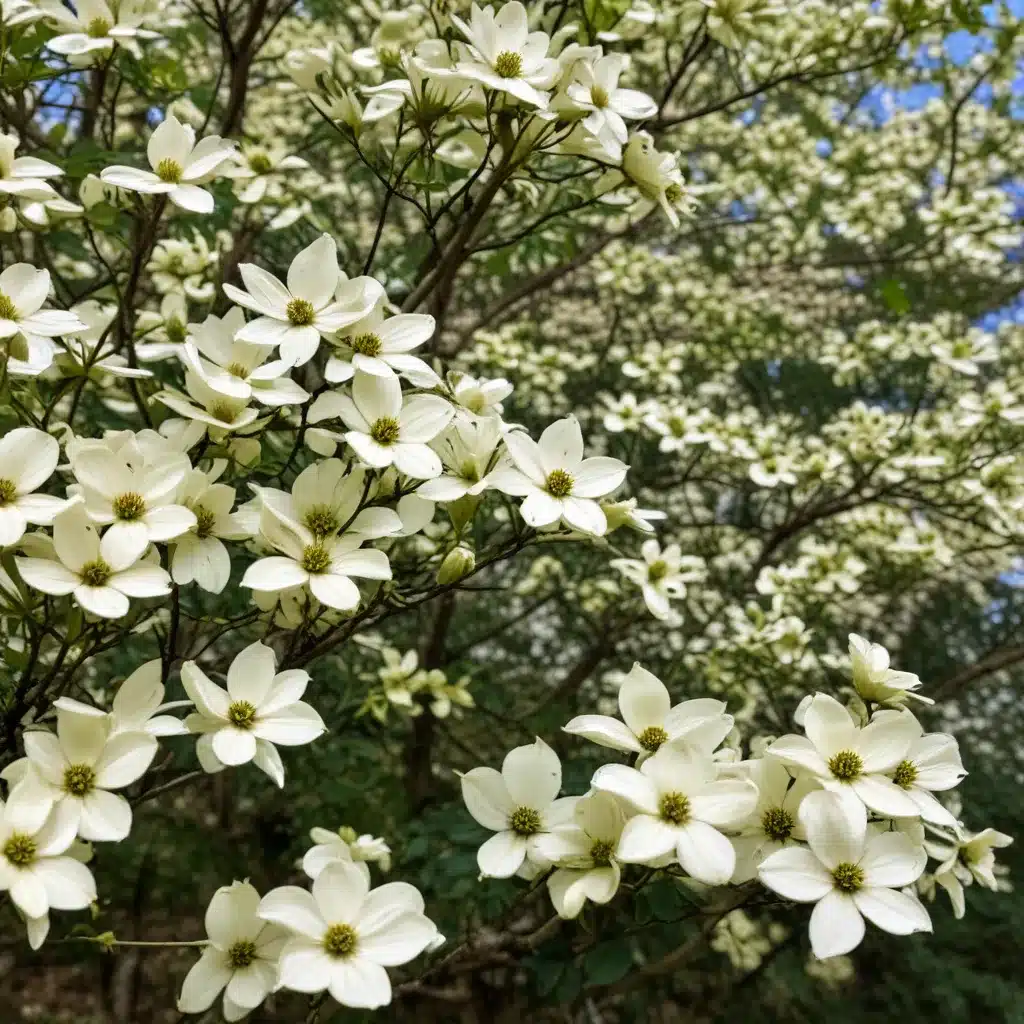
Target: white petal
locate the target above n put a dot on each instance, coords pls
(295, 909)
(608, 732)
(251, 674)
(643, 700)
(796, 874)
(234, 746)
(892, 911)
(125, 759)
(502, 855)
(836, 824)
(106, 817)
(893, 860)
(533, 774)
(705, 854)
(645, 840)
(487, 798)
(632, 786)
(836, 926)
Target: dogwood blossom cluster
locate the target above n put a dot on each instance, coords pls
(843, 816)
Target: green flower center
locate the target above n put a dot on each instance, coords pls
(316, 559)
(657, 570)
(8, 491)
(652, 737)
(98, 28)
(79, 779)
(260, 163)
(129, 506)
(242, 954)
(300, 312)
(508, 64)
(205, 521)
(847, 877)
(321, 520)
(675, 808)
(169, 170)
(20, 849)
(674, 193)
(777, 824)
(599, 96)
(7, 308)
(905, 775)
(95, 574)
(237, 370)
(367, 344)
(601, 853)
(241, 713)
(385, 430)
(846, 765)
(559, 484)
(222, 411)
(524, 821)
(340, 940)
(176, 331)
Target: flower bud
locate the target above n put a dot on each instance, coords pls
(459, 562)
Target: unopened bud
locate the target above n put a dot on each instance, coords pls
(459, 562)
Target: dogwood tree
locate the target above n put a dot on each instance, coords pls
(571, 450)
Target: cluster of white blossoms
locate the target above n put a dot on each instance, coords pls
(844, 816)
(202, 412)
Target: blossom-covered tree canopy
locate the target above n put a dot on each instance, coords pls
(510, 511)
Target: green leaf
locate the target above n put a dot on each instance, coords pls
(894, 295)
(608, 962)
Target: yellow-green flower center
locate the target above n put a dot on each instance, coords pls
(8, 491)
(777, 824)
(657, 571)
(524, 821)
(559, 484)
(79, 779)
(846, 765)
(222, 411)
(20, 849)
(905, 775)
(847, 877)
(241, 714)
(385, 430)
(508, 64)
(98, 28)
(129, 506)
(169, 170)
(321, 520)
(652, 737)
(241, 954)
(260, 162)
(237, 370)
(176, 331)
(316, 559)
(599, 96)
(367, 344)
(601, 853)
(300, 312)
(96, 573)
(675, 808)
(674, 193)
(205, 521)
(340, 940)
(7, 308)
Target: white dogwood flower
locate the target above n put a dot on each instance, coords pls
(220, 413)
(558, 484)
(295, 317)
(238, 369)
(325, 564)
(842, 755)
(518, 804)
(260, 710)
(597, 91)
(344, 934)
(101, 575)
(72, 774)
(661, 574)
(469, 451)
(99, 25)
(649, 720)
(681, 806)
(180, 165)
(35, 868)
(847, 874)
(385, 428)
(965, 858)
(474, 396)
(381, 347)
(241, 958)
(584, 853)
(875, 681)
(139, 504)
(23, 290)
(23, 176)
(28, 458)
(504, 55)
(200, 555)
